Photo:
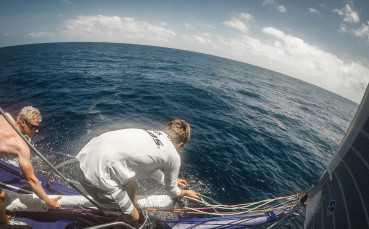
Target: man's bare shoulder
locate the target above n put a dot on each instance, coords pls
(10, 141)
(3, 120)
(5, 128)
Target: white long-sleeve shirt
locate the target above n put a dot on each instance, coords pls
(113, 158)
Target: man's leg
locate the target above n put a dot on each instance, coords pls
(131, 189)
(107, 203)
(131, 219)
(3, 219)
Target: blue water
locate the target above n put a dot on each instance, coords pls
(256, 134)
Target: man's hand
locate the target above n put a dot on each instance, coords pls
(189, 193)
(54, 202)
(182, 183)
(34, 183)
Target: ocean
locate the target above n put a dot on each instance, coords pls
(255, 134)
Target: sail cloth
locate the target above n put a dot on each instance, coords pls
(339, 199)
(232, 222)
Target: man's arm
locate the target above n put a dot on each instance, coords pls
(27, 169)
(172, 183)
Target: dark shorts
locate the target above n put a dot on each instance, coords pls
(1, 190)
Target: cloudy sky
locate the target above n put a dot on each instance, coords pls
(325, 43)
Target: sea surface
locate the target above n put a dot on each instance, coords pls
(256, 134)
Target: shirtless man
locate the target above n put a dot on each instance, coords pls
(28, 122)
(111, 162)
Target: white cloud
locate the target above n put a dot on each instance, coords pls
(40, 34)
(350, 23)
(363, 31)
(313, 11)
(188, 26)
(268, 2)
(237, 24)
(272, 3)
(343, 28)
(293, 56)
(348, 14)
(282, 9)
(116, 29)
(202, 39)
(203, 26)
(207, 26)
(247, 16)
(240, 22)
(315, 65)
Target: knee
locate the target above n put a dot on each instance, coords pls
(2, 195)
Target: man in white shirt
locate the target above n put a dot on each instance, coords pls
(111, 162)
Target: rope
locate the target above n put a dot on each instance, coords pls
(44, 158)
(293, 210)
(51, 173)
(302, 197)
(222, 210)
(285, 206)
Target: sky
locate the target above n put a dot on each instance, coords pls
(325, 43)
